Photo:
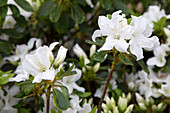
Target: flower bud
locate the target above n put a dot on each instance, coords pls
(142, 106)
(151, 100)
(79, 51)
(90, 101)
(110, 103)
(105, 107)
(122, 104)
(131, 86)
(60, 56)
(115, 109)
(167, 32)
(92, 50)
(139, 98)
(154, 108)
(129, 109)
(96, 67)
(161, 106)
(129, 96)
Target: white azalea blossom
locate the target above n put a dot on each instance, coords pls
(40, 63)
(70, 81)
(141, 31)
(159, 56)
(154, 14)
(23, 49)
(8, 99)
(116, 31)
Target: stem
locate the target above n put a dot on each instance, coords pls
(107, 83)
(36, 102)
(48, 99)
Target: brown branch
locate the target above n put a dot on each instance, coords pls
(107, 83)
(48, 99)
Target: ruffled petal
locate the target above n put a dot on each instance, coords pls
(109, 44)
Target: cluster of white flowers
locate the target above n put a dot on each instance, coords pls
(120, 35)
(7, 100)
(40, 64)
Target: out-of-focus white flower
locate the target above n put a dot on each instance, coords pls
(23, 49)
(70, 81)
(89, 2)
(81, 54)
(155, 14)
(159, 58)
(9, 99)
(140, 33)
(139, 98)
(100, 90)
(167, 32)
(122, 104)
(130, 79)
(116, 31)
(129, 109)
(86, 108)
(165, 89)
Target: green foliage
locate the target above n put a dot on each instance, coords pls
(60, 100)
(98, 42)
(158, 26)
(14, 10)
(4, 77)
(124, 58)
(56, 12)
(144, 67)
(12, 33)
(77, 13)
(3, 2)
(93, 110)
(5, 47)
(24, 5)
(3, 14)
(107, 4)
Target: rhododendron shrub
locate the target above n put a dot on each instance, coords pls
(84, 56)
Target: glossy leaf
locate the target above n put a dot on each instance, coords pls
(56, 12)
(98, 42)
(12, 33)
(99, 56)
(5, 79)
(14, 10)
(46, 8)
(125, 59)
(24, 5)
(77, 13)
(60, 101)
(106, 4)
(144, 67)
(93, 110)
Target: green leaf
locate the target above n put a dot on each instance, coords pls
(56, 12)
(98, 42)
(158, 26)
(93, 110)
(81, 2)
(60, 101)
(3, 13)
(5, 48)
(144, 67)
(28, 88)
(82, 95)
(125, 59)
(14, 10)
(99, 56)
(21, 21)
(23, 110)
(119, 5)
(0, 59)
(24, 5)
(62, 24)
(67, 73)
(3, 2)
(53, 111)
(65, 91)
(77, 13)
(107, 4)
(46, 8)
(4, 80)
(12, 33)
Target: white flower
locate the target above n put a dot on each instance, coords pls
(60, 56)
(23, 49)
(159, 58)
(9, 99)
(165, 89)
(40, 63)
(116, 31)
(70, 81)
(89, 2)
(140, 33)
(79, 51)
(155, 14)
(139, 98)
(167, 32)
(86, 108)
(130, 79)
